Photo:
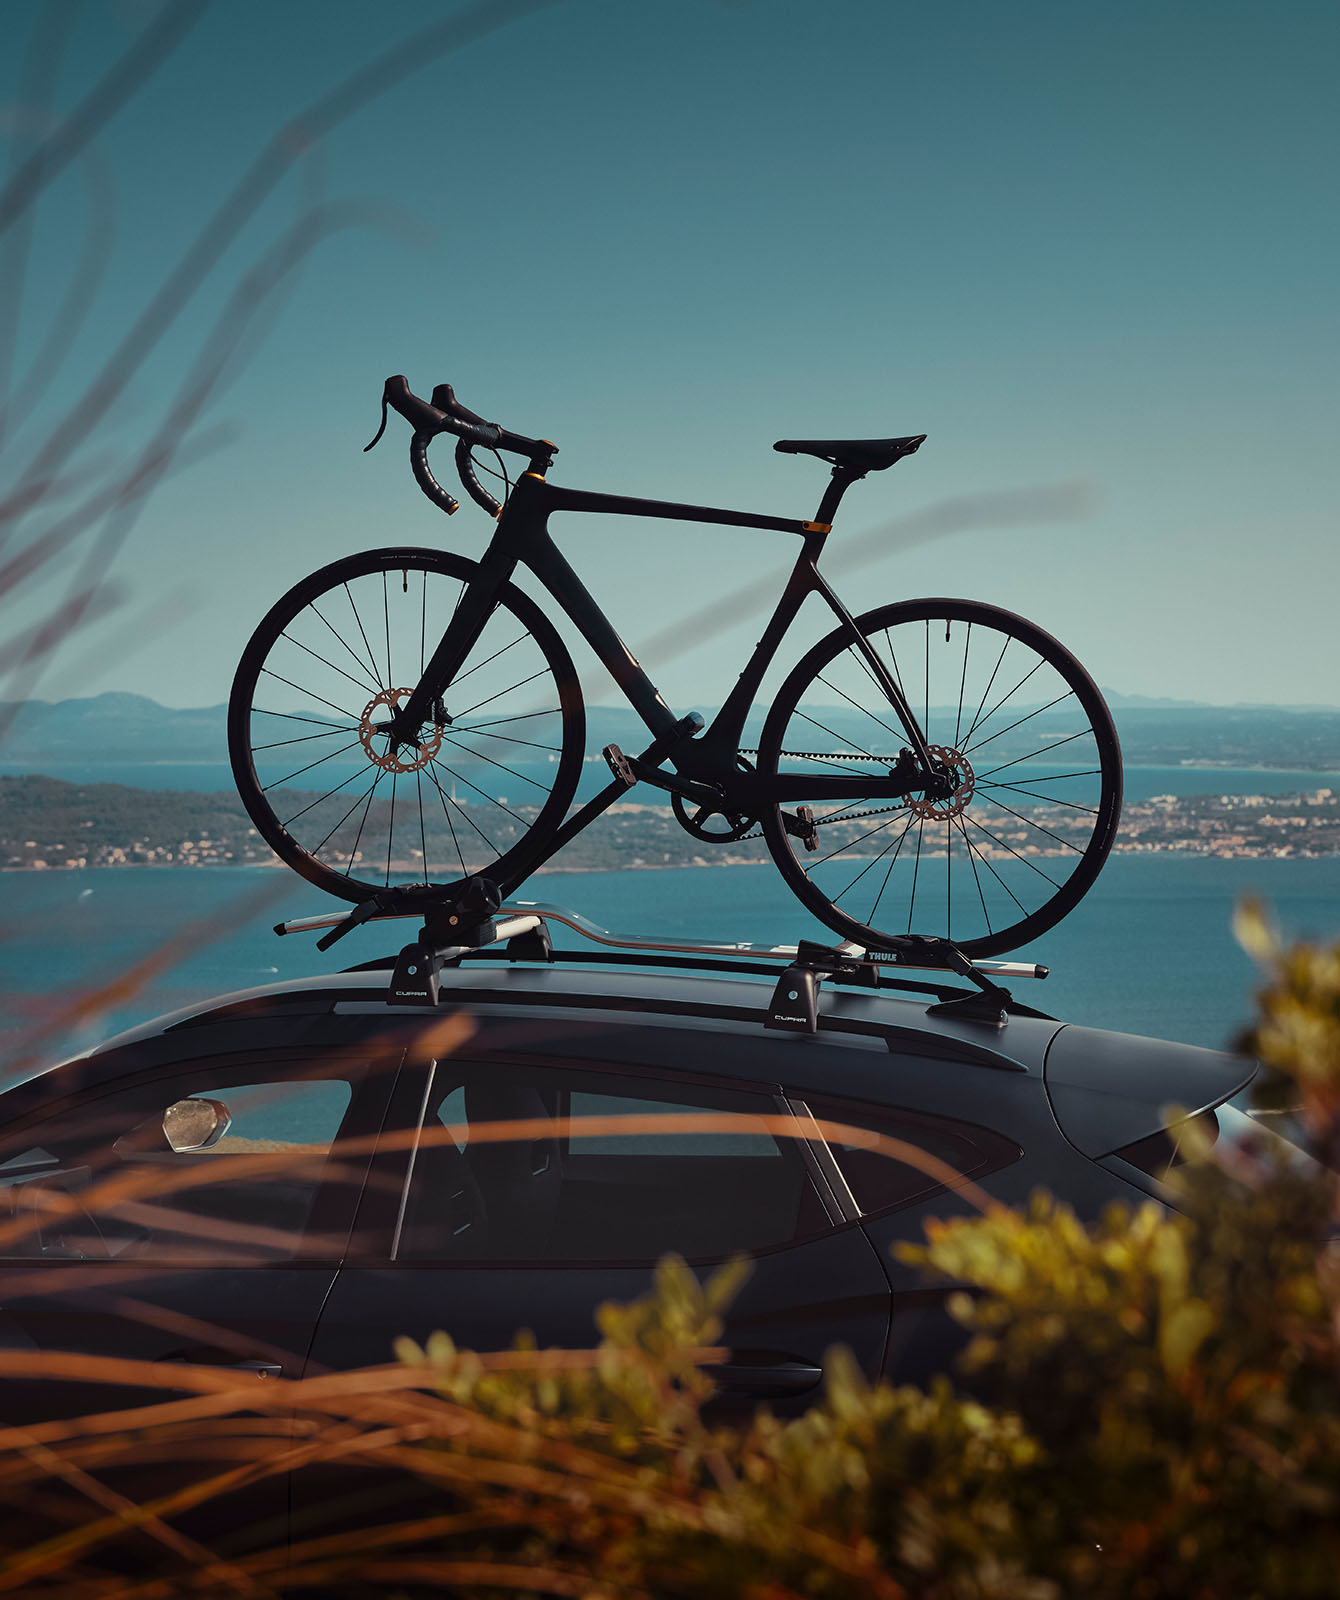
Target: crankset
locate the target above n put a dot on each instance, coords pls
(730, 825)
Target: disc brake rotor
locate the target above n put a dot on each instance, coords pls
(956, 768)
(372, 733)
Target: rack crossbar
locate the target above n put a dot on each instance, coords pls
(520, 916)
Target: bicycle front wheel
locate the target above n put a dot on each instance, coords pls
(1032, 746)
(496, 762)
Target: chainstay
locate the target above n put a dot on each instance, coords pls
(823, 822)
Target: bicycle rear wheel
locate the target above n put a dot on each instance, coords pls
(1025, 730)
(327, 668)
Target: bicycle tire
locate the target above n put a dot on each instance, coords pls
(1083, 831)
(389, 664)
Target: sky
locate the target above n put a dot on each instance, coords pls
(1088, 249)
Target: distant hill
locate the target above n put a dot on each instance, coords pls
(130, 728)
(113, 727)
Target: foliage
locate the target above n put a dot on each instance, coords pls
(1164, 1419)
(1166, 1384)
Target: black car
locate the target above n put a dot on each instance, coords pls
(315, 1261)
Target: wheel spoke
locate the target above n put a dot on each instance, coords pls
(497, 722)
(972, 726)
(390, 830)
(962, 683)
(1028, 718)
(873, 862)
(280, 782)
(843, 848)
(837, 736)
(353, 654)
(487, 659)
(269, 672)
(1047, 799)
(1022, 818)
(893, 660)
(312, 804)
(316, 850)
(864, 709)
(432, 778)
(363, 633)
(1052, 777)
(365, 687)
(423, 836)
(464, 811)
(301, 739)
(1006, 765)
(865, 667)
(893, 861)
(509, 738)
(1013, 852)
(986, 862)
(972, 862)
(916, 865)
(363, 820)
(386, 613)
(479, 755)
(1039, 663)
(492, 799)
(342, 727)
(502, 692)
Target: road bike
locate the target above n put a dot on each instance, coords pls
(409, 719)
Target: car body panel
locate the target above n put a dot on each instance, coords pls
(1110, 1089)
(1065, 1096)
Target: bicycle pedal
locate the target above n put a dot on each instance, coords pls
(802, 826)
(619, 765)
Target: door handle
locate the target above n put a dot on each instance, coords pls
(209, 1358)
(772, 1378)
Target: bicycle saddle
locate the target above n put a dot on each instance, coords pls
(853, 455)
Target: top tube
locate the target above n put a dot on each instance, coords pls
(559, 499)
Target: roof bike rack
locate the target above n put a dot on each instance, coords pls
(475, 919)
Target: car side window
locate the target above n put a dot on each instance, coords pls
(196, 1165)
(572, 1190)
(881, 1181)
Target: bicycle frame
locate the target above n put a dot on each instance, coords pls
(522, 538)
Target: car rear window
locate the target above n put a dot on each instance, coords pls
(883, 1180)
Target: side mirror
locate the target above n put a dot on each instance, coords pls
(195, 1124)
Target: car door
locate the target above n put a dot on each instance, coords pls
(224, 1261)
(917, 1175)
(484, 1239)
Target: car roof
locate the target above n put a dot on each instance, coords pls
(726, 1011)
(628, 991)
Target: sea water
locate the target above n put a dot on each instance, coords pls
(1149, 950)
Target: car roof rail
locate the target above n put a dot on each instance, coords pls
(461, 929)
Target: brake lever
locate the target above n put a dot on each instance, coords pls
(377, 436)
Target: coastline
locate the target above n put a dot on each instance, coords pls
(1182, 852)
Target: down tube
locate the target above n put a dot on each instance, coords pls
(546, 561)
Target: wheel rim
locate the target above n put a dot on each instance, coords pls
(1031, 767)
(317, 686)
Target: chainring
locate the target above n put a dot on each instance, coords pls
(737, 824)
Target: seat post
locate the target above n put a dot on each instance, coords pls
(838, 484)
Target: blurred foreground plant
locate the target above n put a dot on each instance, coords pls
(1165, 1419)
(1167, 1385)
